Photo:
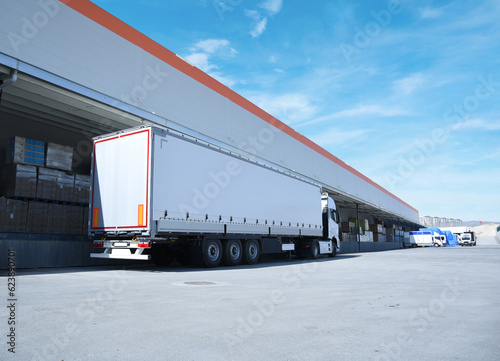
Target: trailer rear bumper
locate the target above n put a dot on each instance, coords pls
(122, 249)
(122, 255)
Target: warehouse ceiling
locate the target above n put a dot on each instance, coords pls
(36, 100)
(346, 202)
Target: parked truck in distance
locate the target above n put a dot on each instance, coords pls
(465, 235)
(467, 239)
(158, 194)
(423, 239)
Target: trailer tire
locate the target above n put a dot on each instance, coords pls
(251, 252)
(162, 256)
(315, 250)
(212, 253)
(233, 252)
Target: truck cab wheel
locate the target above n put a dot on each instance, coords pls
(212, 253)
(334, 251)
(233, 252)
(315, 250)
(251, 252)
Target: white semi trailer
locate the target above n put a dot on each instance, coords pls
(159, 194)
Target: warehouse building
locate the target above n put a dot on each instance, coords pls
(70, 71)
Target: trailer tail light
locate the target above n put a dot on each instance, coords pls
(98, 244)
(144, 245)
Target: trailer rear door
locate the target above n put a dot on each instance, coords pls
(120, 182)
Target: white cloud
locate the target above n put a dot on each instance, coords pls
(259, 22)
(200, 60)
(429, 13)
(361, 110)
(409, 84)
(273, 59)
(259, 28)
(204, 50)
(338, 136)
(478, 124)
(227, 81)
(213, 45)
(289, 108)
(373, 109)
(252, 14)
(271, 6)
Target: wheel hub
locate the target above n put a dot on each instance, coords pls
(213, 252)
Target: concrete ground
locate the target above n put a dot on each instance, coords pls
(408, 304)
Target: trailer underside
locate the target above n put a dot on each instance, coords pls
(211, 250)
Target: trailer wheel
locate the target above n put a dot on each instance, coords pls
(162, 256)
(233, 252)
(212, 253)
(251, 252)
(315, 250)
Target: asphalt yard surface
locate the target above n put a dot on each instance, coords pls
(408, 304)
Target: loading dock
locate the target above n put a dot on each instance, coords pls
(69, 97)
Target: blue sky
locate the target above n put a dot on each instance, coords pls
(407, 92)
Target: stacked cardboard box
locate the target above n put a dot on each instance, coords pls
(379, 232)
(82, 188)
(363, 224)
(379, 237)
(377, 228)
(85, 224)
(47, 183)
(25, 151)
(13, 214)
(38, 215)
(74, 219)
(57, 219)
(19, 180)
(59, 157)
(345, 227)
(65, 186)
(65, 219)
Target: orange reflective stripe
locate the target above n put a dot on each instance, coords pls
(96, 217)
(141, 215)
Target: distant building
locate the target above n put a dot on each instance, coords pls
(436, 222)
